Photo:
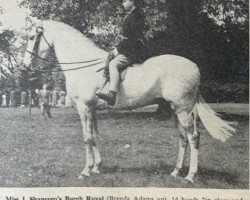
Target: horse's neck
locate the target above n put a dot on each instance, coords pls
(70, 47)
(66, 53)
(75, 48)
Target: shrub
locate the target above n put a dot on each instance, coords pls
(215, 92)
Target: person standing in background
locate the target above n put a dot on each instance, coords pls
(3, 99)
(35, 98)
(12, 98)
(23, 99)
(7, 93)
(45, 98)
(55, 97)
(62, 100)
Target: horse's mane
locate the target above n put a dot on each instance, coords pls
(62, 30)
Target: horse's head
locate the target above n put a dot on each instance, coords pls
(39, 45)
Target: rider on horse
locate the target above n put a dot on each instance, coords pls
(130, 50)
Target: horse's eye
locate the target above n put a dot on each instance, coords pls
(32, 37)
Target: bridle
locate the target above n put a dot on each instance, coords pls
(34, 54)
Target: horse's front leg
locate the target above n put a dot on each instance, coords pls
(86, 117)
(97, 156)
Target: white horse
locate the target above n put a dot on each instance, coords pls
(170, 77)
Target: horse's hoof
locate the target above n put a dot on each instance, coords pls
(84, 174)
(174, 173)
(95, 170)
(80, 177)
(189, 179)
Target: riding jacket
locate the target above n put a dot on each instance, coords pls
(132, 45)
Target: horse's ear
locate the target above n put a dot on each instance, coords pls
(39, 29)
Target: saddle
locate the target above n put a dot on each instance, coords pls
(123, 69)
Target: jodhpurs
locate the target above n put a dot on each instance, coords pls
(116, 66)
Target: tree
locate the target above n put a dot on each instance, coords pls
(10, 59)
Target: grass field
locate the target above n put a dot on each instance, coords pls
(39, 152)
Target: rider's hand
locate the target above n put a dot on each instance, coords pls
(106, 73)
(111, 55)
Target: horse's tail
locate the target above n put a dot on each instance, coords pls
(216, 127)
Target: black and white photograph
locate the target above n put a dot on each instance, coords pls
(124, 94)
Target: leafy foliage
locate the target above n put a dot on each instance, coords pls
(10, 59)
(229, 92)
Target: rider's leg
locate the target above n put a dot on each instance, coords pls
(114, 75)
(110, 57)
(117, 63)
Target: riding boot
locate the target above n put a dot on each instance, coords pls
(110, 97)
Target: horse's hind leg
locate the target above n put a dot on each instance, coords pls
(193, 139)
(183, 142)
(97, 155)
(187, 122)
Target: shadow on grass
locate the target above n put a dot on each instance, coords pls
(205, 174)
(103, 115)
(149, 115)
(222, 176)
(114, 115)
(136, 115)
(147, 170)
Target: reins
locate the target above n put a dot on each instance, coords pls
(71, 69)
(64, 63)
